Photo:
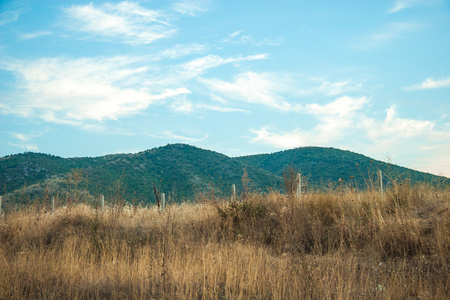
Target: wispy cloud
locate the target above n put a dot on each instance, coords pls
(272, 89)
(24, 140)
(182, 50)
(191, 8)
(27, 147)
(390, 32)
(430, 83)
(73, 91)
(198, 66)
(23, 137)
(173, 136)
(220, 108)
(33, 35)
(125, 21)
(400, 5)
(307, 87)
(8, 17)
(181, 104)
(250, 87)
(11, 11)
(238, 38)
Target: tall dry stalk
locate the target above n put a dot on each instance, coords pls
(347, 245)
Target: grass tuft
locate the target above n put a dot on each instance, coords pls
(339, 245)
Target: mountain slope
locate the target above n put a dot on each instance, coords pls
(181, 170)
(329, 165)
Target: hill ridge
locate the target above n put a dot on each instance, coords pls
(185, 170)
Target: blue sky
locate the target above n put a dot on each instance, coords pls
(89, 78)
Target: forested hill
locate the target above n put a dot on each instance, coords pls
(178, 169)
(321, 165)
(181, 171)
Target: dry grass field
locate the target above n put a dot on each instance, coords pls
(334, 245)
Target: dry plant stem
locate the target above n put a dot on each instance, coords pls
(346, 245)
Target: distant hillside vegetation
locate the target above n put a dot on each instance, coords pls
(181, 171)
(322, 165)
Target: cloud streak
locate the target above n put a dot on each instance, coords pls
(10, 12)
(125, 21)
(238, 38)
(173, 136)
(392, 31)
(200, 65)
(430, 83)
(400, 5)
(253, 88)
(191, 8)
(33, 35)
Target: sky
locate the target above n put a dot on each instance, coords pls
(90, 78)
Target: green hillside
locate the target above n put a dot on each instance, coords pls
(181, 171)
(322, 166)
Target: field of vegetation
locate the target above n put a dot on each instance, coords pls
(342, 244)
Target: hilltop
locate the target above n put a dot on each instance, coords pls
(182, 171)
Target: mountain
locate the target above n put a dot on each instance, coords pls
(321, 166)
(178, 169)
(181, 171)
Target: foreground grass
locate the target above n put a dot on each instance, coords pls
(355, 245)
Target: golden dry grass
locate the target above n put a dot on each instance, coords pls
(335, 245)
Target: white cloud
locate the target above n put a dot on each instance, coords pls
(343, 117)
(336, 120)
(73, 91)
(181, 105)
(410, 142)
(393, 128)
(250, 87)
(236, 33)
(285, 140)
(430, 83)
(341, 107)
(183, 50)
(303, 86)
(198, 66)
(335, 88)
(220, 108)
(191, 8)
(125, 21)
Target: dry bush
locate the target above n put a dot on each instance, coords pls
(346, 245)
